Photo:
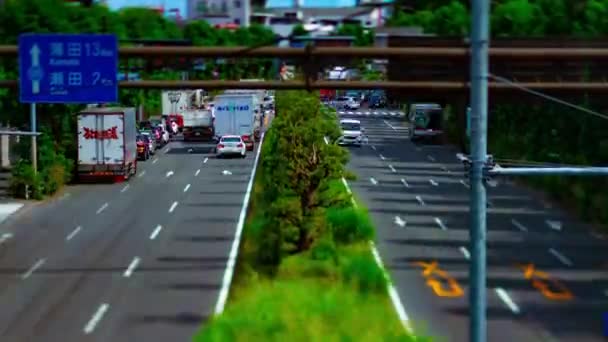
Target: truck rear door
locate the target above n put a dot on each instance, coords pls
(100, 139)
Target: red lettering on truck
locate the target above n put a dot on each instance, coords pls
(106, 134)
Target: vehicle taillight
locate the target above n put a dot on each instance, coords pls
(239, 145)
(245, 137)
(220, 146)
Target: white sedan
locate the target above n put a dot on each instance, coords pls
(231, 145)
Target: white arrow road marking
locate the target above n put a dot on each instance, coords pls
(405, 183)
(419, 199)
(97, 316)
(169, 174)
(5, 237)
(399, 221)
(373, 180)
(433, 183)
(392, 168)
(556, 225)
(440, 223)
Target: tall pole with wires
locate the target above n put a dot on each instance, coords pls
(479, 107)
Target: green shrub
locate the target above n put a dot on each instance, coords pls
(359, 268)
(350, 225)
(24, 182)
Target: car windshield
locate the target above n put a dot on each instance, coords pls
(140, 138)
(351, 126)
(231, 139)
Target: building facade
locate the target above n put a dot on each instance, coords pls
(220, 12)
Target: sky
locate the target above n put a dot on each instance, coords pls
(181, 4)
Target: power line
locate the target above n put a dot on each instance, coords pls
(546, 96)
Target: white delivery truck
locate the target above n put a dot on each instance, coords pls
(235, 114)
(198, 125)
(107, 146)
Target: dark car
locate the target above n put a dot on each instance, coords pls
(143, 147)
(248, 140)
(158, 135)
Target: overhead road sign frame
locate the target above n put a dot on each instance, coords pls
(68, 68)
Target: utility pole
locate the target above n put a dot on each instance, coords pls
(479, 126)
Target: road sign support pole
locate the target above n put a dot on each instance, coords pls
(479, 125)
(34, 147)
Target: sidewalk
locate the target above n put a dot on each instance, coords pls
(7, 209)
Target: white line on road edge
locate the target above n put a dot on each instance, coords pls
(205, 160)
(234, 249)
(440, 223)
(392, 292)
(373, 180)
(504, 296)
(169, 174)
(73, 233)
(131, 267)
(186, 187)
(197, 172)
(382, 157)
(173, 206)
(519, 225)
(433, 183)
(562, 258)
(5, 237)
(419, 199)
(431, 158)
(392, 168)
(103, 308)
(373, 147)
(389, 125)
(154, 160)
(346, 185)
(465, 252)
(141, 174)
(102, 208)
(155, 232)
(405, 183)
(33, 269)
(125, 188)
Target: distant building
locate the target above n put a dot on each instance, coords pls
(220, 12)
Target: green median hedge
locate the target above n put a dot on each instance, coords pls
(305, 270)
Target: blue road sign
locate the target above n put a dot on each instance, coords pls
(68, 68)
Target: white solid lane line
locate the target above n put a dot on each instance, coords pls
(102, 208)
(440, 223)
(419, 199)
(465, 252)
(205, 160)
(97, 316)
(173, 206)
(186, 187)
(392, 168)
(562, 258)
(504, 296)
(73, 233)
(519, 225)
(197, 172)
(141, 174)
(131, 267)
(126, 187)
(156, 232)
(405, 183)
(346, 185)
(33, 269)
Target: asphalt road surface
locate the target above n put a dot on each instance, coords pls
(547, 271)
(375, 113)
(136, 261)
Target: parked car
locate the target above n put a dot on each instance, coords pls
(143, 147)
(231, 145)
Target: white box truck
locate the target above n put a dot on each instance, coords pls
(198, 125)
(235, 114)
(107, 146)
